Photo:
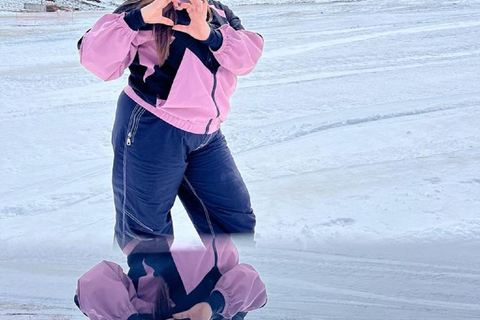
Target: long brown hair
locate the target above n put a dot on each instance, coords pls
(162, 309)
(163, 33)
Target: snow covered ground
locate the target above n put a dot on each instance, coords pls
(357, 134)
(18, 5)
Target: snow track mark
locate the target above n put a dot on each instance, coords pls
(300, 49)
(297, 128)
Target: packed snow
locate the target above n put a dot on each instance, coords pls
(357, 135)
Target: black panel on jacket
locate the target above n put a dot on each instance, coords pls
(158, 84)
(201, 50)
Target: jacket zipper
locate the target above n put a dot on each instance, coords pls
(213, 93)
(214, 102)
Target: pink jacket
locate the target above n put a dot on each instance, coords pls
(192, 89)
(106, 292)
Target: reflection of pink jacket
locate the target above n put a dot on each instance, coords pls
(192, 89)
(105, 292)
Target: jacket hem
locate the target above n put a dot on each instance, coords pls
(179, 123)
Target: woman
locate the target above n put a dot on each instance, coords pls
(183, 59)
(209, 284)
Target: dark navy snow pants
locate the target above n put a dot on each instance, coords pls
(155, 161)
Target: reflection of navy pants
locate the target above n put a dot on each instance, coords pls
(155, 161)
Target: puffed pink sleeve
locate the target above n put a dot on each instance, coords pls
(242, 289)
(240, 284)
(240, 49)
(105, 292)
(108, 48)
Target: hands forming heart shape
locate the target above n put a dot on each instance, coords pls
(196, 9)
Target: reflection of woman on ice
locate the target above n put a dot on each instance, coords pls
(198, 285)
(167, 142)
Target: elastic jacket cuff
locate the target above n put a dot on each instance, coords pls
(134, 19)
(214, 40)
(216, 302)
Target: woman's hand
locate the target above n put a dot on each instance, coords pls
(153, 13)
(200, 311)
(198, 27)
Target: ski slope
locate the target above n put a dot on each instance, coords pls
(357, 134)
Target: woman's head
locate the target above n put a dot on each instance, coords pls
(163, 33)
